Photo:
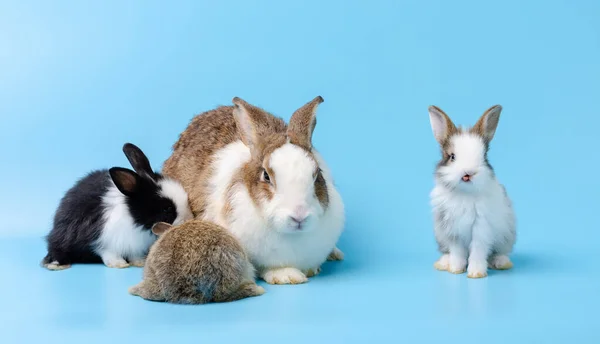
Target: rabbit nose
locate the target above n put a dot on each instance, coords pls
(298, 219)
(300, 214)
(468, 176)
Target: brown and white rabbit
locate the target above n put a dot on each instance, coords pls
(474, 220)
(194, 263)
(249, 172)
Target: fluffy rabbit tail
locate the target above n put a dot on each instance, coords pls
(249, 289)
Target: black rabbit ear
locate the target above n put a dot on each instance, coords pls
(125, 180)
(160, 228)
(138, 160)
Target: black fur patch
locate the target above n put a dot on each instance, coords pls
(78, 221)
(148, 207)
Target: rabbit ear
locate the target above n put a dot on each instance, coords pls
(441, 124)
(303, 122)
(247, 118)
(125, 180)
(138, 160)
(160, 228)
(487, 124)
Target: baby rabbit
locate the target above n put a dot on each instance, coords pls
(473, 215)
(263, 181)
(196, 262)
(107, 216)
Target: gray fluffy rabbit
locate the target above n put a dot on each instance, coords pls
(194, 263)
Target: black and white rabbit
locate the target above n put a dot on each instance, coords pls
(108, 215)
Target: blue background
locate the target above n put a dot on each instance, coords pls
(80, 78)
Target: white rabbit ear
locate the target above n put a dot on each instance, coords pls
(303, 122)
(246, 122)
(441, 124)
(160, 228)
(488, 122)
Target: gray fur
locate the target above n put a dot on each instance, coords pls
(195, 263)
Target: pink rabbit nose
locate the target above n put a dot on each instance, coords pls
(466, 178)
(300, 214)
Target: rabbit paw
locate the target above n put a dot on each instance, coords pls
(457, 264)
(138, 262)
(118, 263)
(55, 266)
(501, 263)
(336, 254)
(477, 269)
(443, 263)
(312, 272)
(284, 276)
(258, 290)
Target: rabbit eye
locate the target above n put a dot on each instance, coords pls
(452, 156)
(168, 209)
(265, 177)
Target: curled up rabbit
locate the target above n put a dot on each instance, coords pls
(474, 221)
(107, 216)
(194, 263)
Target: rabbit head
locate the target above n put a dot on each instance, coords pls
(464, 164)
(150, 197)
(284, 175)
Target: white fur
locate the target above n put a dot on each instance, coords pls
(271, 240)
(173, 190)
(474, 221)
(121, 238)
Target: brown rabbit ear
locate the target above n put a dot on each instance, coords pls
(160, 228)
(487, 124)
(303, 122)
(247, 118)
(441, 124)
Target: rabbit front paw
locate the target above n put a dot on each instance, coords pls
(284, 276)
(456, 264)
(477, 269)
(114, 261)
(443, 263)
(138, 262)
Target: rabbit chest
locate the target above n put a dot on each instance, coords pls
(460, 215)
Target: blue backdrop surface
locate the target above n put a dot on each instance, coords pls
(78, 79)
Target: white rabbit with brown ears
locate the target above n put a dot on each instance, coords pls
(246, 170)
(474, 222)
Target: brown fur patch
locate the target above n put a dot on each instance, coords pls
(192, 153)
(321, 190)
